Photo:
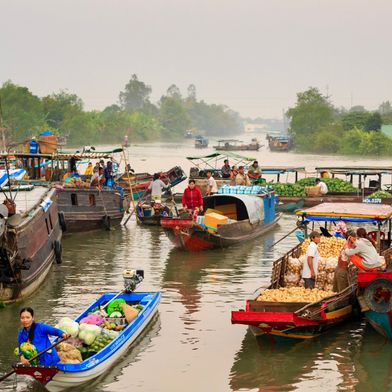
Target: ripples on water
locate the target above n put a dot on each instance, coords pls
(191, 345)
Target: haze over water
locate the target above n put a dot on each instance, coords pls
(191, 345)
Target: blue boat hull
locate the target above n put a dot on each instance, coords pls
(381, 322)
(74, 375)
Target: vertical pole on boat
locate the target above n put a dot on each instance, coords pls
(129, 183)
(379, 237)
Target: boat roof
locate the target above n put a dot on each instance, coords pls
(62, 156)
(254, 205)
(281, 169)
(217, 158)
(351, 212)
(358, 170)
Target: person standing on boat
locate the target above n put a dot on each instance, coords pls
(322, 185)
(226, 169)
(254, 171)
(38, 335)
(157, 186)
(192, 199)
(310, 268)
(212, 187)
(108, 173)
(241, 178)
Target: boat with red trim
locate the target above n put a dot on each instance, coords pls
(229, 219)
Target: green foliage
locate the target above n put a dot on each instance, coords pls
(135, 95)
(173, 115)
(22, 111)
(311, 112)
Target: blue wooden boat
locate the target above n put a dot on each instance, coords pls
(63, 376)
(290, 207)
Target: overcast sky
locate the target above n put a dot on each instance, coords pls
(252, 55)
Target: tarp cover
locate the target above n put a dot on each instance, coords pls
(254, 205)
(348, 210)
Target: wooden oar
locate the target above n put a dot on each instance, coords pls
(35, 357)
(292, 231)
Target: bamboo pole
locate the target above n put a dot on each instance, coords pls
(130, 185)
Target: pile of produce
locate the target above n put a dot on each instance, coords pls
(328, 246)
(95, 331)
(28, 350)
(293, 294)
(298, 189)
(333, 184)
(380, 195)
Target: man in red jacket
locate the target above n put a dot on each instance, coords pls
(192, 199)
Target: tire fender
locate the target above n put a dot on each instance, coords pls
(58, 250)
(62, 222)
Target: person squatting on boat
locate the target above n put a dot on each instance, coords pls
(310, 268)
(241, 178)
(192, 199)
(368, 258)
(322, 185)
(37, 334)
(98, 178)
(212, 187)
(254, 171)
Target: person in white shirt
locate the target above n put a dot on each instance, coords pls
(309, 271)
(212, 187)
(157, 186)
(322, 185)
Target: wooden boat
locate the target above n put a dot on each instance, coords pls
(285, 321)
(30, 240)
(248, 217)
(63, 376)
(237, 145)
(279, 143)
(151, 215)
(90, 209)
(141, 181)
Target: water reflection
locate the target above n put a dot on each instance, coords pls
(327, 362)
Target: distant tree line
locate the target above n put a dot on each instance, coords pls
(24, 114)
(319, 127)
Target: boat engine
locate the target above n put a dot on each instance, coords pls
(131, 279)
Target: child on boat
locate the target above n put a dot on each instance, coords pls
(37, 334)
(311, 261)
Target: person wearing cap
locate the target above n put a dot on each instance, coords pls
(362, 247)
(309, 271)
(254, 171)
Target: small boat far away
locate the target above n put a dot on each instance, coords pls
(237, 145)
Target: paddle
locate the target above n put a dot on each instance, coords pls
(174, 202)
(292, 231)
(36, 356)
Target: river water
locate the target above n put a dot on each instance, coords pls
(191, 344)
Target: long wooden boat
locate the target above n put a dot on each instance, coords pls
(141, 181)
(90, 209)
(30, 240)
(237, 145)
(63, 376)
(290, 207)
(250, 217)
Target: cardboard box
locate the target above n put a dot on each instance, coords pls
(213, 220)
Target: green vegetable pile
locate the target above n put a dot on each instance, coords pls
(298, 189)
(380, 195)
(100, 342)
